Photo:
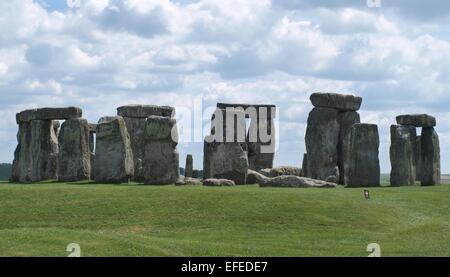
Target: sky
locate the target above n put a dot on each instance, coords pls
(191, 54)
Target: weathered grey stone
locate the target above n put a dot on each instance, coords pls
(21, 171)
(287, 181)
(418, 156)
(113, 155)
(188, 181)
(144, 111)
(189, 169)
(161, 159)
(282, 170)
(135, 119)
(305, 165)
(261, 146)
(136, 127)
(254, 177)
(49, 114)
(417, 120)
(224, 154)
(44, 151)
(342, 102)
(402, 156)
(225, 161)
(74, 151)
(430, 158)
(362, 165)
(218, 183)
(106, 119)
(346, 121)
(322, 138)
(260, 140)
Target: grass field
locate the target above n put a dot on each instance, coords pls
(131, 220)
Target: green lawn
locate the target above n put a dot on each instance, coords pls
(132, 220)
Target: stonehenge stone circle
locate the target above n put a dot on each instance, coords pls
(189, 168)
(322, 138)
(74, 162)
(161, 158)
(362, 165)
(113, 154)
(417, 120)
(430, 161)
(135, 119)
(288, 181)
(341, 102)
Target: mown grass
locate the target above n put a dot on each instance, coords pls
(133, 220)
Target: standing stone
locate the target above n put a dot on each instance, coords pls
(418, 155)
(430, 157)
(135, 119)
(161, 158)
(305, 165)
(113, 154)
(75, 152)
(189, 169)
(44, 151)
(362, 165)
(346, 121)
(402, 156)
(261, 152)
(225, 158)
(322, 138)
(21, 171)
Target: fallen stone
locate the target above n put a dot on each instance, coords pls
(161, 159)
(144, 111)
(254, 177)
(282, 170)
(287, 181)
(218, 183)
(417, 120)
(49, 114)
(341, 102)
(322, 138)
(402, 156)
(113, 155)
(188, 181)
(362, 165)
(430, 158)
